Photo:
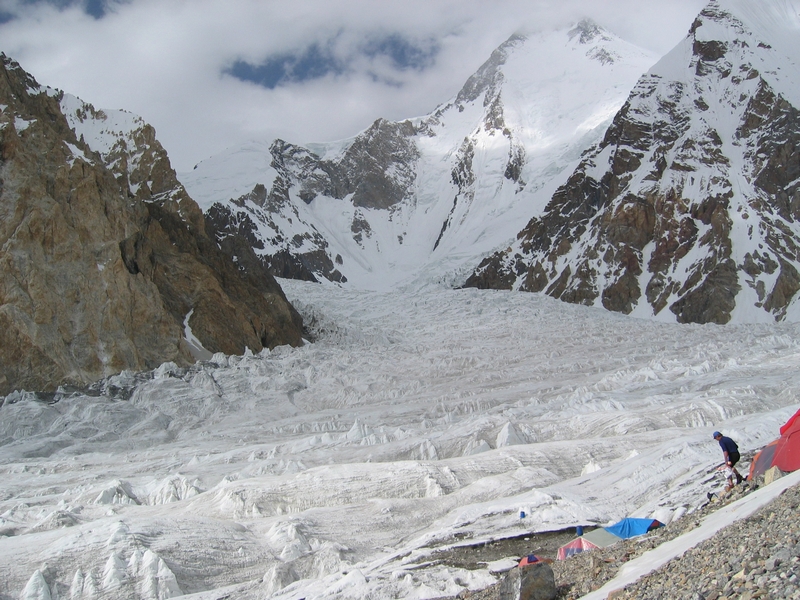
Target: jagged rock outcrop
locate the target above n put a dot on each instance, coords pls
(376, 171)
(105, 262)
(409, 196)
(533, 582)
(689, 207)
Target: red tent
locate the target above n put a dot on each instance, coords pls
(532, 559)
(783, 453)
(576, 546)
(787, 453)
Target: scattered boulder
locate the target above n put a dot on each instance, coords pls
(532, 582)
(772, 474)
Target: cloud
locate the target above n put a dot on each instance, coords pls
(403, 53)
(94, 8)
(318, 60)
(212, 73)
(313, 62)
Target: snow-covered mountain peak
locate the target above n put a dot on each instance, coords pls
(588, 31)
(766, 33)
(547, 53)
(489, 75)
(423, 199)
(687, 209)
(763, 36)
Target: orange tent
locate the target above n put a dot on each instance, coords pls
(532, 559)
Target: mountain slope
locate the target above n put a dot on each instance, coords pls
(106, 264)
(427, 197)
(688, 208)
(382, 460)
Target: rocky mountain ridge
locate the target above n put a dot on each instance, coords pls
(106, 264)
(678, 203)
(688, 208)
(412, 197)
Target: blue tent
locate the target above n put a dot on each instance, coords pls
(628, 528)
(603, 537)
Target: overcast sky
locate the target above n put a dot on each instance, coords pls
(209, 74)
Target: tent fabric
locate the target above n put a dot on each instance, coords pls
(762, 461)
(625, 529)
(576, 546)
(793, 420)
(628, 528)
(532, 559)
(783, 453)
(602, 538)
(787, 453)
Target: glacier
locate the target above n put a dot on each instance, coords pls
(415, 422)
(419, 419)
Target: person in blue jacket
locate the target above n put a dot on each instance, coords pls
(731, 453)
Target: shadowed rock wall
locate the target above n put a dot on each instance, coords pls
(97, 272)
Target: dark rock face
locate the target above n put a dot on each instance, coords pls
(384, 160)
(103, 267)
(690, 203)
(377, 171)
(532, 582)
(242, 227)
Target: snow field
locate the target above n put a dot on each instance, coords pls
(415, 422)
(519, 112)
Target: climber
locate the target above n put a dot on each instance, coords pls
(730, 451)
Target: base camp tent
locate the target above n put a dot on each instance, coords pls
(628, 528)
(532, 559)
(783, 453)
(601, 537)
(606, 536)
(576, 546)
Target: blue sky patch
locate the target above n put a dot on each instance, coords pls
(317, 61)
(314, 62)
(403, 53)
(94, 8)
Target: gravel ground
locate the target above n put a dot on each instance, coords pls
(473, 557)
(757, 557)
(588, 571)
